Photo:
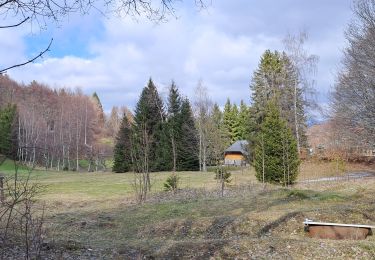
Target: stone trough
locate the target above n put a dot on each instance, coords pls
(336, 230)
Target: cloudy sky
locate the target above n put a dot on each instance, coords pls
(221, 45)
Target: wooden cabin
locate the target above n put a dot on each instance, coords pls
(236, 153)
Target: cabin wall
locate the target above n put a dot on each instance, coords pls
(234, 159)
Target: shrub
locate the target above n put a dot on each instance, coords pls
(221, 173)
(223, 176)
(171, 184)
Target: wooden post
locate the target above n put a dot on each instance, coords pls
(2, 198)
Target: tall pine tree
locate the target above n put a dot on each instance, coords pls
(276, 78)
(276, 156)
(189, 144)
(149, 124)
(218, 137)
(8, 131)
(181, 131)
(235, 131)
(243, 121)
(100, 109)
(174, 123)
(123, 147)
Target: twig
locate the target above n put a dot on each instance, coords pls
(15, 25)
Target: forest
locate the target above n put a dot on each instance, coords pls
(60, 129)
(82, 181)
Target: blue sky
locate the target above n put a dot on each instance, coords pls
(221, 45)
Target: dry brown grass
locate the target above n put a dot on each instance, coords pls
(315, 169)
(96, 218)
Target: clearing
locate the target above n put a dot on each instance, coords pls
(93, 216)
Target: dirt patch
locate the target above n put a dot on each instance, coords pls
(176, 229)
(280, 221)
(206, 249)
(218, 226)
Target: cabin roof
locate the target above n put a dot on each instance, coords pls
(238, 146)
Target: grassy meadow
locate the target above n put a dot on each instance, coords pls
(93, 216)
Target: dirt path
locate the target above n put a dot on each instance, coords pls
(346, 177)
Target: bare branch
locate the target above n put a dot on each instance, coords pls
(29, 61)
(15, 25)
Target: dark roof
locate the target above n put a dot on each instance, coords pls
(238, 146)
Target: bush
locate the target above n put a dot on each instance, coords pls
(171, 184)
(223, 176)
(221, 173)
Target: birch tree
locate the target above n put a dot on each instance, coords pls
(305, 65)
(202, 107)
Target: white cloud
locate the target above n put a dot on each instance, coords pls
(12, 47)
(222, 46)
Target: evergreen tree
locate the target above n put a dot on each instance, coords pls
(149, 125)
(183, 142)
(100, 108)
(277, 78)
(276, 156)
(123, 147)
(174, 124)
(243, 121)
(235, 130)
(218, 138)
(189, 145)
(8, 131)
(217, 116)
(227, 119)
(230, 121)
(265, 83)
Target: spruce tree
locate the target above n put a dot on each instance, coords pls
(217, 116)
(100, 108)
(123, 147)
(8, 131)
(230, 121)
(149, 126)
(276, 156)
(174, 124)
(235, 130)
(217, 136)
(189, 145)
(243, 121)
(227, 119)
(277, 78)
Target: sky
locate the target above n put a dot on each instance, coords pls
(221, 45)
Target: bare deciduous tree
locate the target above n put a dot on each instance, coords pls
(305, 65)
(202, 107)
(353, 105)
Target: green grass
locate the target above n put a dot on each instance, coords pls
(101, 186)
(314, 195)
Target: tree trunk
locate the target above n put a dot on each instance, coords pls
(174, 153)
(296, 119)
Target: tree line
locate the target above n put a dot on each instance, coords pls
(157, 137)
(275, 125)
(52, 128)
(61, 127)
